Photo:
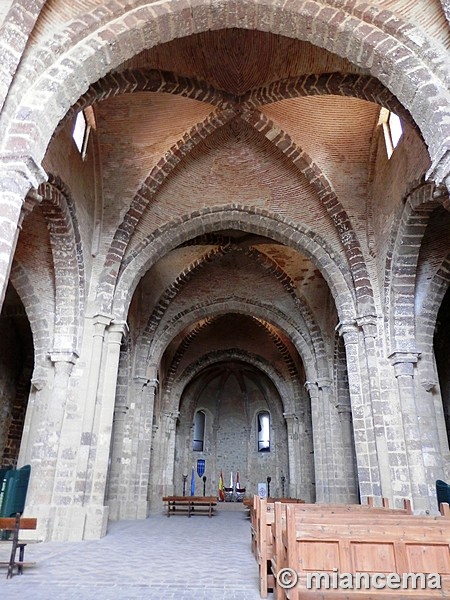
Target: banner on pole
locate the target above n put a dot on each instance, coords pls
(200, 467)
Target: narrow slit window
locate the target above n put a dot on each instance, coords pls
(263, 431)
(393, 131)
(199, 431)
(80, 133)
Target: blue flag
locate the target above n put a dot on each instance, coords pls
(193, 483)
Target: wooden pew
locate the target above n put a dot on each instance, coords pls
(190, 505)
(269, 552)
(12, 526)
(255, 516)
(346, 512)
(365, 542)
(262, 537)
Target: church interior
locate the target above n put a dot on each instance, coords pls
(224, 236)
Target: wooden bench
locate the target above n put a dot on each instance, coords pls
(269, 550)
(11, 526)
(364, 542)
(190, 505)
(262, 520)
(255, 516)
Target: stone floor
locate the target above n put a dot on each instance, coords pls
(160, 558)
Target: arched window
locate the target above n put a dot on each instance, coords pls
(199, 431)
(263, 431)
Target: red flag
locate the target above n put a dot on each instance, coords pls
(221, 494)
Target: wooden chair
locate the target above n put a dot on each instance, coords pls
(13, 526)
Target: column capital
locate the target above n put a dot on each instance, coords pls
(120, 409)
(343, 409)
(152, 383)
(312, 389)
(171, 417)
(102, 319)
(118, 330)
(32, 199)
(368, 323)
(403, 362)
(346, 328)
(323, 382)
(68, 356)
(291, 417)
(38, 383)
(429, 384)
(31, 170)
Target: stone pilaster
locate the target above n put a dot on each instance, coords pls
(404, 364)
(97, 512)
(296, 476)
(319, 442)
(48, 440)
(162, 459)
(365, 446)
(144, 450)
(87, 435)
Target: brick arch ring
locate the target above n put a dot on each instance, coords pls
(129, 81)
(281, 346)
(59, 211)
(285, 390)
(403, 259)
(374, 39)
(307, 351)
(309, 326)
(40, 326)
(243, 218)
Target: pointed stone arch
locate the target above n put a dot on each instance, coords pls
(67, 250)
(377, 40)
(310, 328)
(173, 394)
(250, 219)
(402, 261)
(40, 327)
(241, 306)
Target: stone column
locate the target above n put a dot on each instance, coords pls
(363, 426)
(295, 459)
(348, 447)
(368, 325)
(403, 363)
(117, 478)
(330, 448)
(99, 322)
(59, 423)
(319, 443)
(37, 392)
(49, 492)
(17, 176)
(97, 512)
(144, 448)
(162, 459)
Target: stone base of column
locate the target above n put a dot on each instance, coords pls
(96, 522)
(124, 510)
(57, 523)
